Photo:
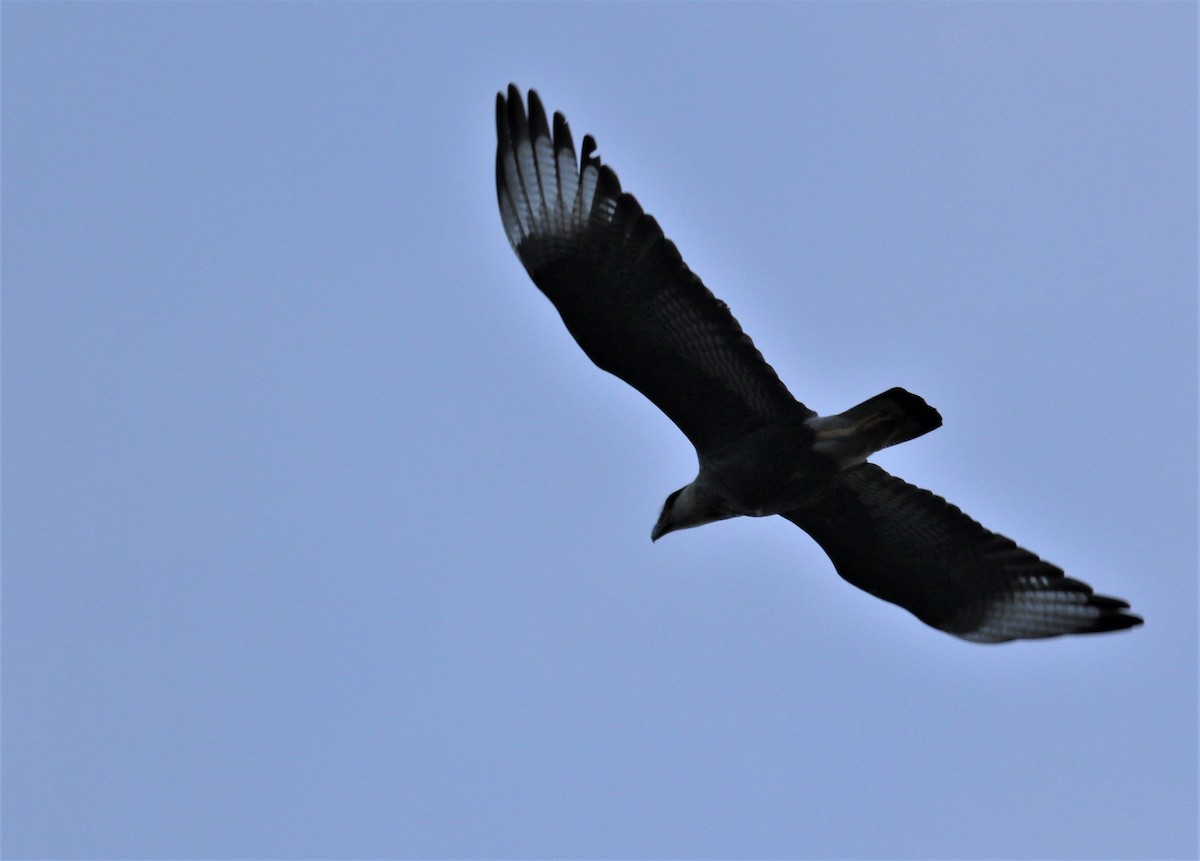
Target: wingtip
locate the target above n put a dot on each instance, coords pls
(588, 150)
(1116, 620)
(501, 126)
(538, 127)
(1095, 614)
(1112, 612)
(562, 135)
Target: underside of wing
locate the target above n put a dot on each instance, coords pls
(621, 287)
(910, 547)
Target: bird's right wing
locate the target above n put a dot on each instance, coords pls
(910, 547)
(621, 287)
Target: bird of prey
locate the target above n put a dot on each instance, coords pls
(638, 312)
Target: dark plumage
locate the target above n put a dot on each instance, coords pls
(638, 312)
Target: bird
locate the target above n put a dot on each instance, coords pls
(636, 309)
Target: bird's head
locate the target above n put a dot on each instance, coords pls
(666, 520)
(685, 508)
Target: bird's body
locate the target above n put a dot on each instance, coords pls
(637, 311)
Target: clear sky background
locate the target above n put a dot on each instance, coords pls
(322, 538)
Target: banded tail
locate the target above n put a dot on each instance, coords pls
(892, 417)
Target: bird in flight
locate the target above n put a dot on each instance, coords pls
(638, 312)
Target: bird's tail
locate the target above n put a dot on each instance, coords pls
(893, 417)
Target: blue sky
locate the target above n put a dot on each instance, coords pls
(323, 539)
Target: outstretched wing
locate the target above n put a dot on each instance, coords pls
(621, 287)
(910, 547)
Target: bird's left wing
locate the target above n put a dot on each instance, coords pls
(621, 287)
(910, 547)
